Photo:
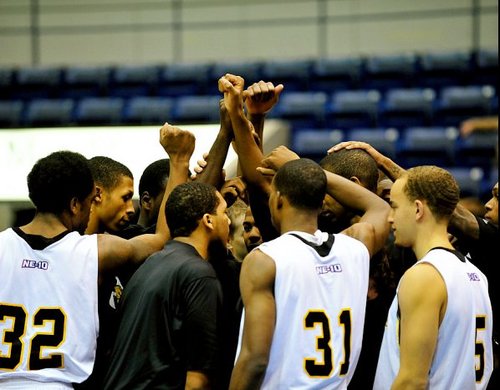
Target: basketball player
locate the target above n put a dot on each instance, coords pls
(439, 328)
(169, 311)
(48, 296)
(304, 293)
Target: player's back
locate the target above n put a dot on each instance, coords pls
(320, 291)
(48, 309)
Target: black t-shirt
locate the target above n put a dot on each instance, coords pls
(169, 315)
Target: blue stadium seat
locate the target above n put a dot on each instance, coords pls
(457, 103)
(384, 140)
(390, 71)
(335, 74)
(407, 107)
(149, 110)
(442, 69)
(184, 79)
(293, 74)
(6, 82)
(99, 111)
(302, 109)
(486, 67)
(134, 80)
(197, 109)
(469, 180)
(249, 70)
(427, 146)
(314, 143)
(11, 113)
(349, 109)
(477, 149)
(37, 82)
(49, 112)
(86, 81)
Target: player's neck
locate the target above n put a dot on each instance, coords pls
(429, 238)
(301, 221)
(45, 224)
(200, 245)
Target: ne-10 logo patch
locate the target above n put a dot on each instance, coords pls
(325, 269)
(473, 277)
(34, 264)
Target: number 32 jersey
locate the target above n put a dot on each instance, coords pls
(48, 307)
(320, 291)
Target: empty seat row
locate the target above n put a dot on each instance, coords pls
(324, 74)
(109, 111)
(396, 108)
(343, 109)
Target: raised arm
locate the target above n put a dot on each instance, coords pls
(212, 172)
(114, 251)
(257, 291)
(374, 211)
(249, 153)
(261, 97)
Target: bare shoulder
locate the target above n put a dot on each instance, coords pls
(423, 281)
(258, 268)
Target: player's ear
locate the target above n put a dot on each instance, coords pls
(279, 200)
(145, 200)
(74, 204)
(98, 194)
(419, 209)
(207, 221)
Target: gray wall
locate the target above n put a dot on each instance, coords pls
(67, 32)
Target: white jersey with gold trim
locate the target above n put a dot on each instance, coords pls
(320, 291)
(463, 358)
(48, 310)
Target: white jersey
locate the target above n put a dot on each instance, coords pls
(48, 310)
(463, 358)
(320, 291)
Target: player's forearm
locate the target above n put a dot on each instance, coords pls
(375, 210)
(212, 173)
(179, 173)
(249, 153)
(463, 224)
(257, 121)
(248, 375)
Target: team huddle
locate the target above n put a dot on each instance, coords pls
(286, 276)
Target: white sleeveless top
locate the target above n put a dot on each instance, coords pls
(463, 358)
(320, 296)
(48, 311)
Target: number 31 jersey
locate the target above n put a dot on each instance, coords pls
(48, 307)
(320, 291)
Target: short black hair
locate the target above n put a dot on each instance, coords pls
(57, 178)
(303, 183)
(154, 178)
(353, 162)
(187, 204)
(108, 172)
